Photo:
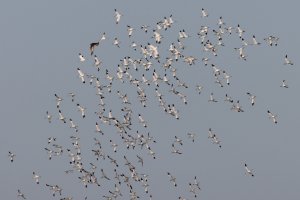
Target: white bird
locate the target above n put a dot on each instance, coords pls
(116, 42)
(142, 121)
(196, 183)
(210, 133)
(103, 37)
(129, 30)
(287, 61)
(228, 98)
(117, 16)
(50, 152)
(191, 136)
(204, 13)
(248, 171)
(174, 150)
(205, 60)
(252, 98)
(81, 57)
(226, 77)
(114, 145)
(72, 95)
(240, 31)
(221, 22)
(11, 156)
(272, 40)
(54, 189)
(20, 194)
(81, 75)
(98, 130)
(152, 153)
(172, 179)
(190, 60)
(254, 41)
(284, 84)
(199, 88)
(145, 28)
(61, 117)
(58, 100)
(49, 117)
(216, 140)
(97, 62)
(157, 36)
(236, 107)
(178, 140)
(133, 45)
(51, 139)
(182, 35)
(81, 109)
(272, 117)
(36, 177)
(211, 98)
(72, 125)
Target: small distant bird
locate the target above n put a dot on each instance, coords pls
(272, 117)
(129, 30)
(103, 37)
(178, 140)
(211, 98)
(117, 16)
(272, 40)
(220, 21)
(36, 177)
(226, 77)
(116, 42)
(81, 57)
(49, 117)
(140, 160)
(210, 133)
(240, 31)
(248, 171)
(72, 125)
(81, 75)
(172, 179)
(20, 194)
(114, 145)
(204, 13)
(81, 109)
(174, 150)
(93, 45)
(254, 41)
(216, 140)
(142, 121)
(58, 100)
(11, 156)
(72, 95)
(61, 117)
(252, 98)
(191, 136)
(284, 85)
(287, 61)
(51, 139)
(228, 98)
(98, 130)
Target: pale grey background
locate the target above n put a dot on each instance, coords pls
(40, 41)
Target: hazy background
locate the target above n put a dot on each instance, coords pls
(40, 42)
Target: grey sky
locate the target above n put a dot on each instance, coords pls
(40, 42)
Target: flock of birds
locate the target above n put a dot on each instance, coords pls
(149, 75)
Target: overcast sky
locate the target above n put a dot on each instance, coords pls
(40, 42)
